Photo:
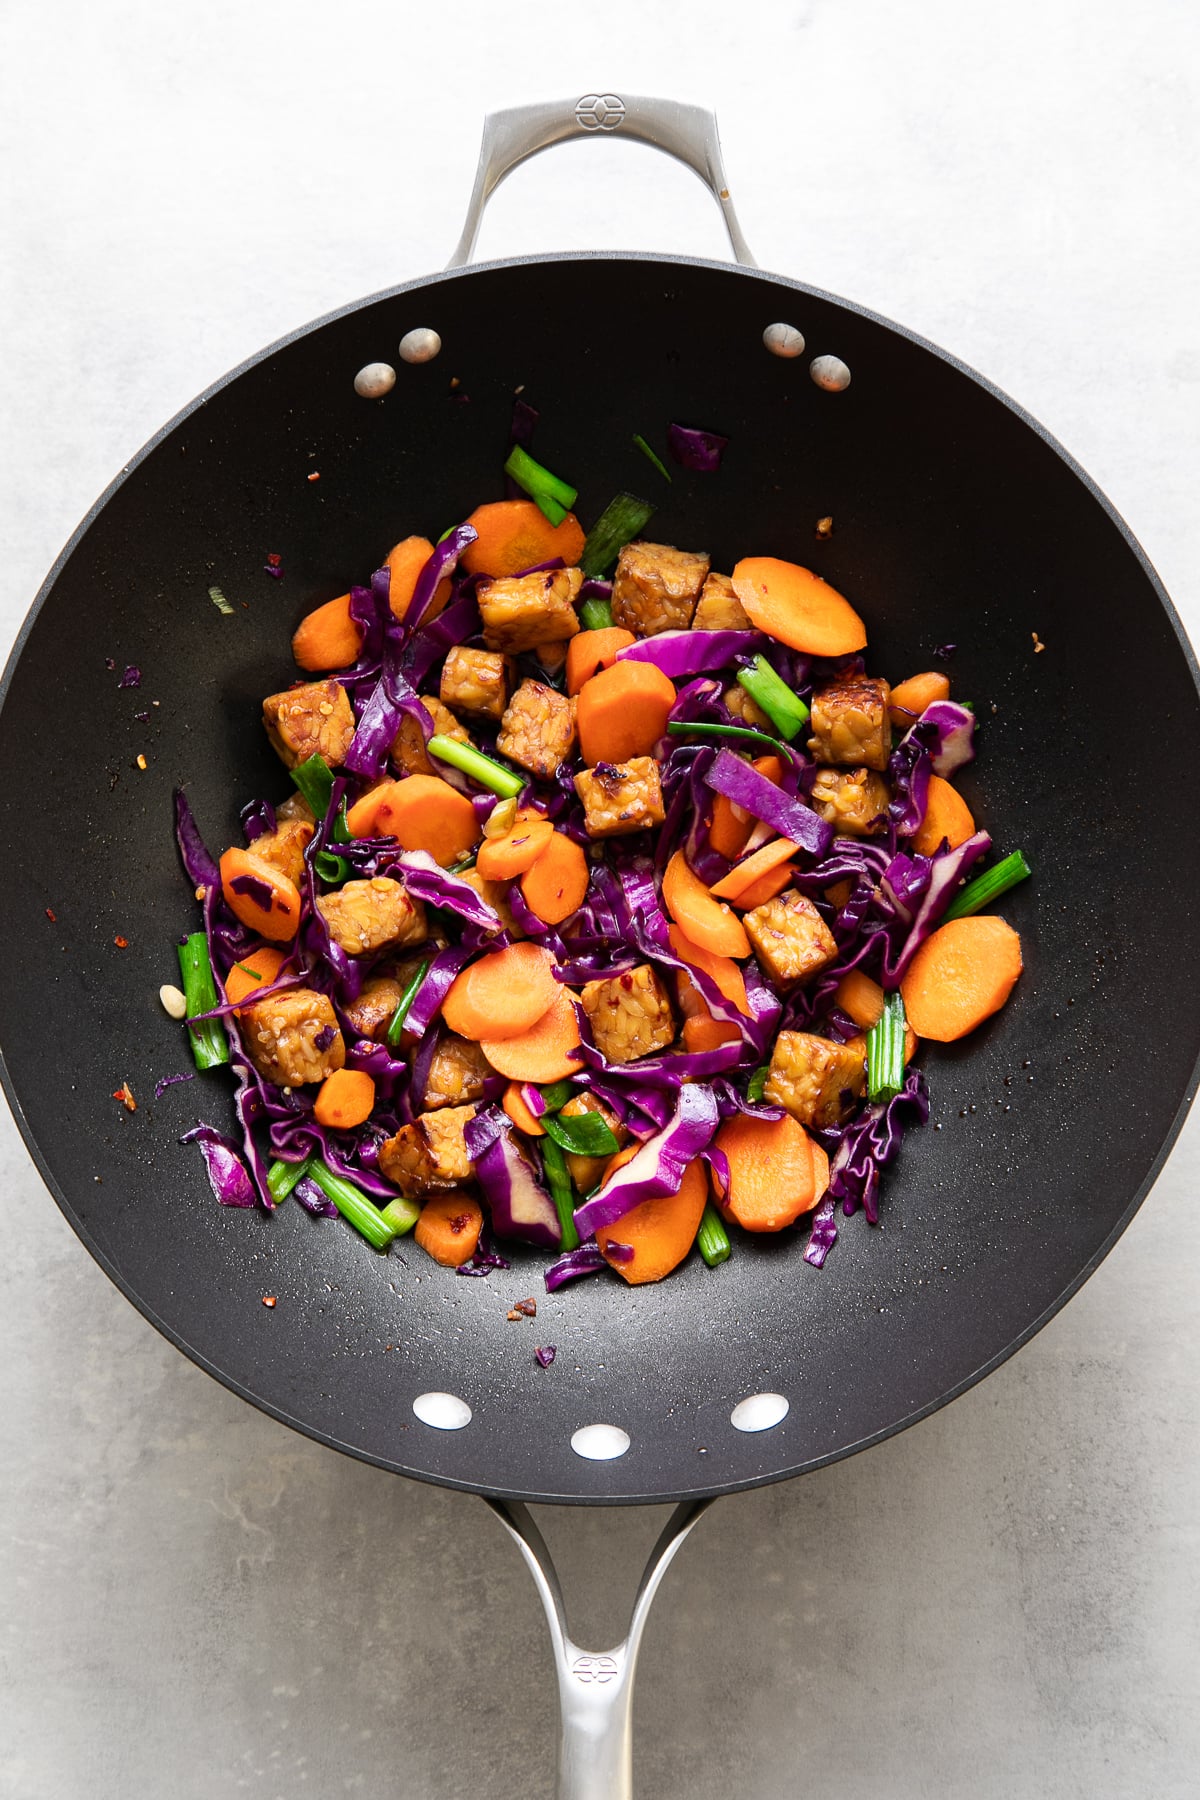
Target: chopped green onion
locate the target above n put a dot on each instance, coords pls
(595, 614)
(550, 492)
(989, 886)
(210, 1047)
(786, 710)
(402, 1215)
(449, 532)
(220, 602)
(757, 1084)
(353, 1205)
(655, 458)
(479, 767)
(617, 526)
(712, 1239)
(332, 869)
(557, 1094)
(885, 1051)
(282, 1177)
(404, 1007)
(341, 830)
(735, 733)
(561, 1192)
(584, 1134)
(248, 972)
(314, 778)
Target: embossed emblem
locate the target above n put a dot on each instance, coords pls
(594, 1669)
(600, 112)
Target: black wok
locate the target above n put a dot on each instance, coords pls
(956, 519)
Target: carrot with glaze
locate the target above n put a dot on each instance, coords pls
(503, 994)
(707, 922)
(547, 1052)
(910, 698)
(659, 1232)
(590, 651)
(449, 1227)
(960, 976)
(797, 608)
(260, 896)
(515, 535)
(771, 1176)
(327, 637)
(345, 1099)
(622, 712)
(555, 885)
(504, 858)
(422, 812)
(947, 815)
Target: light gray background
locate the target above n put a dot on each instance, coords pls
(1002, 1603)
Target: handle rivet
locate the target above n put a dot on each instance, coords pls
(784, 340)
(759, 1412)
(375, 380)
(445, 1412)
(829, 373)
(420, 345)
(600, 1443)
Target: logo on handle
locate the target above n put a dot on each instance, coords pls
(594, 1669)
(600, 112)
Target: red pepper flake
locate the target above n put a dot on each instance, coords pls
(273, 565)
(269, 1300)
(52, 915)
(315, 476)
(125, 1095)
(274, 558)
(122, 943)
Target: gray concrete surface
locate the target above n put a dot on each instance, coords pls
(196, 1603)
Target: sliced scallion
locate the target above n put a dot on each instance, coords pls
(885, 1051)
(405, 1005)
(353, 1205)
(332, 869)
(786, 710)
(584, 1134)
(743, 734)
(550, 492)
(989, 886)
(479, 767)
(618, 525)
(210, 1047)
(314, 778)
(653, 455)
(757, 1085)
(282, 1177)
(402, 1215)
(562, 1193)
(557, 1094)
(712, 1239)
(595, 614)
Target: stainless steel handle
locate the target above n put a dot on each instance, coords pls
(688, 133)
(595, 1690)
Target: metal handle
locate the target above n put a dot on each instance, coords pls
(688, 133)
(595, 1690)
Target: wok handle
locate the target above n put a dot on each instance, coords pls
(688, 133)
(595, 1690)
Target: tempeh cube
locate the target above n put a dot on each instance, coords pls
(718, 608)
(293, 1037)
(408, 752)
(364, 916)
(747, 710)
(790, 938)
(630, 1015)
(853, 801)
(284, 847)
(315, 719)
(430, 1155)
(521, 611)
(621, 797)
(815, 1079)
(586, 1171)
(458, 1073)
(372, 1011)
(538, 729)
(851, 723)
(656, 586)
(477, 682)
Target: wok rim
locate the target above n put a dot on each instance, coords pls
(329, 1441)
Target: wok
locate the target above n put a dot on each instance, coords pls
(956, 519)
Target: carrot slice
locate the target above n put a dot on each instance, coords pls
(515, 535)
(449, 1227)
(422, 812)
(622, 712)
(745, 874)
(545, 1052)
(771, 1178)
(504, 858)
(327, 637)
(515, 1105)
(766, 888)
(260, 896)
(707, 922)
(732, 825)
(405, 562)
(660, 1232)
(555, 885)
(796, 607)
(253, 973)
(590, 651)
(502, 995)
(345, 1099)
(702, 1032)
(911, 697)
(860, 998)
(820, 1170)
(960, 976)
(947, 815)
(839, 894)
(720, 969)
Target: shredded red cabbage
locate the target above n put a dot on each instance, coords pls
(696, 449)
(226, 1171)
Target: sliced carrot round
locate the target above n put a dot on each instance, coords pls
(753, 868)
(707, 922)
(590, 651)
(548, 1052)
(344, 1099)
(720, 969)
(555, 885)
(504, 858)
(860, 998)
(765, 888)
(659, 1232)
(404, 563)
(960, 976)
(449, 1227)
(514, 535)
(517, 1107)
(771, 1178)
(260, 896)
(622, 712)
(820, 1160)
(797, 608)
(327, 637)
(422, 812)
(502, 995)
(251, 974)
(910, 698)
(947, 815)
(702, 1032)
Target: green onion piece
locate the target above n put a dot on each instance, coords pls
(402, 1215)
(595, 614)
(757, 1085)
(248, 972)
(404, 1006)
(282, 1177)
(332, 869)
(557, 1094)
(712, 1239)
(550, 492)
(585, 1134)
(353, 1205)
(561, 1191)
(735, 733)
(885, 1051)
(449, 532)
(989, 886)
(617, 526)
(341, 830)
(210, 1047)
(479, 767)
(655, 458)
(314, 778)
(786, 710)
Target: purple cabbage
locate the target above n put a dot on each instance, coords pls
(391, 698)
(545, 1356)
(426, 880)
(441, 564)
(459, 622)
(226, 1171)
(132, 678)
(870, 1142)
(660, 1164)
(433, 990)
(199, 864)
(258, 818)
(587, 1260)
(170, 1081)
(313, 1199)
(953, 735)
(740, 782)
(696, 449)
(520, 1206)
(823, 1235)
(681, 654)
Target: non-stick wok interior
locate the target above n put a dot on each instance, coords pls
(953, 522)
